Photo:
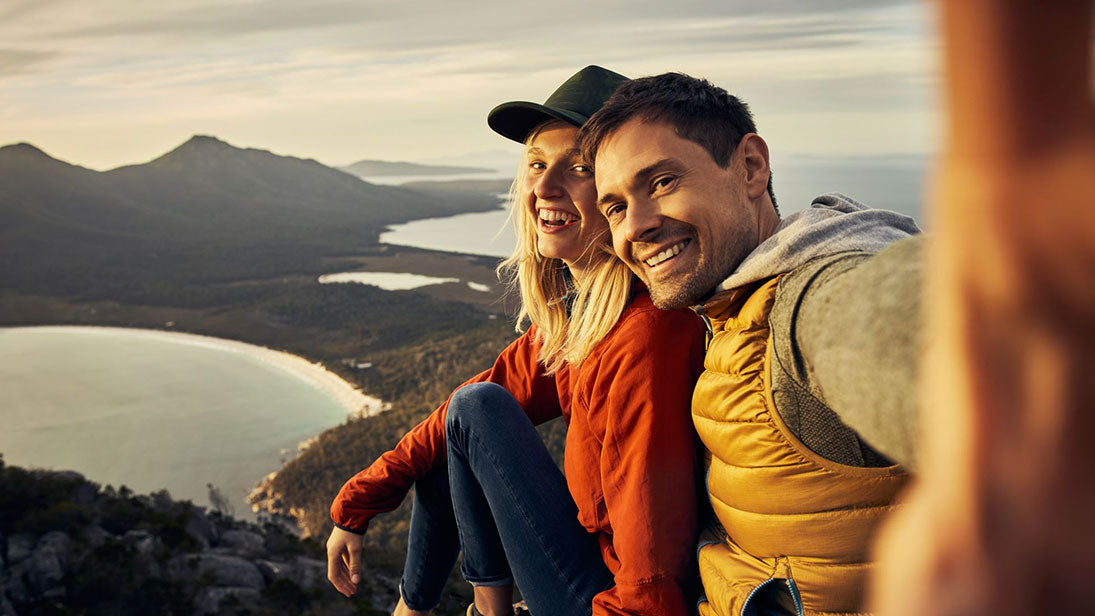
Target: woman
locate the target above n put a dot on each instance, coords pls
(616, 535)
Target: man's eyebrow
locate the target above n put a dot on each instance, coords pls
(642, 176)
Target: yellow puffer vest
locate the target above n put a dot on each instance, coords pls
(787, 512)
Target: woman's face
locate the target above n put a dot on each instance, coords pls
(560, 193)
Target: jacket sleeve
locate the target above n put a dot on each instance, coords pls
(384, 484)
(848, 330)
(649, 463)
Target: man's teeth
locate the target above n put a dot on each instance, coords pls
(556, 216)
(668, 253)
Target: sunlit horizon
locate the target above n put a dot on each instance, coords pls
(112, 83)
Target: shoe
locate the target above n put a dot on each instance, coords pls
(518, 610)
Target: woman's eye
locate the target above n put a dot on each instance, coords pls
(539, 166)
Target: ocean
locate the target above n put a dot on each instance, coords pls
(154, 410)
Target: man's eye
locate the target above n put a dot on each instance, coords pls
(582, 169)
(615, 210)
(662, 183)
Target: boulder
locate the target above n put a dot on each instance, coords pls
(244, 541)
(95, 535)
(209, 599)
(46, 566)
(12, 586)
(143, 541)
(20, 547)
(41, 573)
(222, 570)
(272, 570)
(310, 572)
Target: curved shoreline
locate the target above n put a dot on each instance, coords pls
(349, 397)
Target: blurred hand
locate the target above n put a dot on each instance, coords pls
(344, 560)
(1000, 521)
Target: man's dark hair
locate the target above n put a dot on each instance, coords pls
(699, 111)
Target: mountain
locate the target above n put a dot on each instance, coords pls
(375, 168)
(207, 177)
(206, 210)
(503, 159)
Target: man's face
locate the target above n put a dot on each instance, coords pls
(678, 220)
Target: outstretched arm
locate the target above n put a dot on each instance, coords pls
(1000, 523)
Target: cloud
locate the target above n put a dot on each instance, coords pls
(400, 75)
(14, 61)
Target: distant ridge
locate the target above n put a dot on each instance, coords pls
(206, 209)
(380, 168)
(22, 149)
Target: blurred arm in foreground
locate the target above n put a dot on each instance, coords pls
(1001, 522)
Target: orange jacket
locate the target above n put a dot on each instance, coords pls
(630, 457)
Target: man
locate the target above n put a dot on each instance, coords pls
(807, 396)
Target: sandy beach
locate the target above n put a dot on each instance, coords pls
(353, 400)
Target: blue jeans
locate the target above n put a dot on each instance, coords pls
(511, 509)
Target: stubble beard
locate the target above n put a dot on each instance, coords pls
(712, 269)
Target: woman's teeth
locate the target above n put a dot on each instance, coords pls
(555, 218)
(666, 254)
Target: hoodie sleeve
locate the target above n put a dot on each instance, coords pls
(384, 484)
(846, 331)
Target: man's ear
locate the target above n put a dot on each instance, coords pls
(753, 152)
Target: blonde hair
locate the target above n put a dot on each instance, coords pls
(595, 304)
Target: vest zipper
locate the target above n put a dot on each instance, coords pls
(794, 595)
(791, 586)
(752, 593)
(707, 323)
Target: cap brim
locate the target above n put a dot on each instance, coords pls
(515, 120)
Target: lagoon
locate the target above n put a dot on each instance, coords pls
(154, 410)
(389, 281)
(482, 233)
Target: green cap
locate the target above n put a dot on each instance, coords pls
(578, 98)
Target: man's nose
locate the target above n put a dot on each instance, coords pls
(642, 221)
(550, 184)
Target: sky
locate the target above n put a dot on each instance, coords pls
(104, 83)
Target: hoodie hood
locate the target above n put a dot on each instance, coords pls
(833, 223)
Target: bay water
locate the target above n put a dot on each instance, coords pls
(155, 410)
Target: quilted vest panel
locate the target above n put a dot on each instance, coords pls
(787, 512)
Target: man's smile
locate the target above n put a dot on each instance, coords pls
(666, 254)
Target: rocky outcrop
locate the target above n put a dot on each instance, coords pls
(265, 499)
(119, 549)
(35, 568)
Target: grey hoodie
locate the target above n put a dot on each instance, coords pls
(845, 328)
(833, 223)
